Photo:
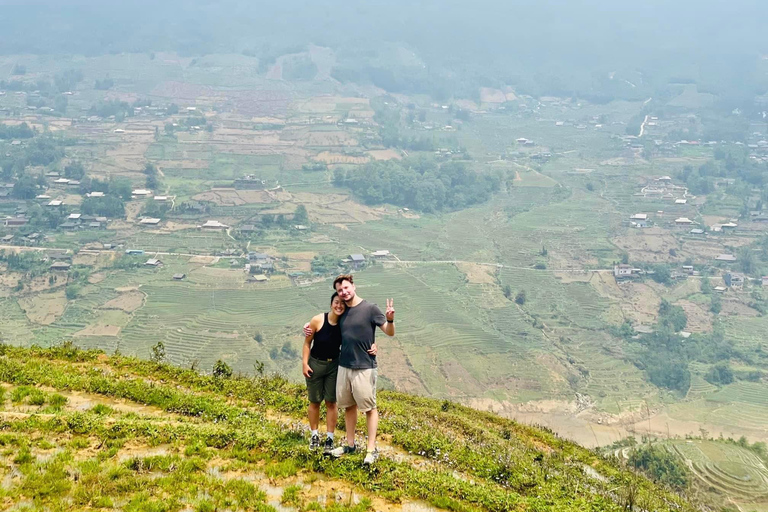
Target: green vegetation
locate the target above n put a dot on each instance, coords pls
(205, 426)
(661, 465)
(421, 184)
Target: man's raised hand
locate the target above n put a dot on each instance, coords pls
(308, 331)
(390, 314)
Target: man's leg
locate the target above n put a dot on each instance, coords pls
(331, 416)
(372, 419)
(350, 420)
(314, 415)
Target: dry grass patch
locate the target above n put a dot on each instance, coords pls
(385, 154)
(478, 274)
(99, 330)
(128, 301)
(44, 308)
(650, 245)
(699, 319)
(235, 197)
(336, 158)
(332, 139)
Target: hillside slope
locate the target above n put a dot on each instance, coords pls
(82, 430)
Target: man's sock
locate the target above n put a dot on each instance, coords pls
(313, 432)
(330, 435)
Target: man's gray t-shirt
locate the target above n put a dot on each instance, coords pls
(358, 329)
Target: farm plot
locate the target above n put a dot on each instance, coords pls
(556, 303)
(730, 469)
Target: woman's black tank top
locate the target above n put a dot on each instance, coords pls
(327, 341)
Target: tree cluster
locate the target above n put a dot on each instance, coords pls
(420, 184)
(661, 465)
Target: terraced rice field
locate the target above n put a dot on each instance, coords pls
(726, 468)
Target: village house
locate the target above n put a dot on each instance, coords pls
(696, 231)
(149, 221)
(15, 222)
(728, 258)
(95, 194)
(358, 260)
(247, 228)
(683, 221)
(141, 192)
(7, 238)
(214, 224)
(60, 266)
(56, 203)
(69, 226)
(380, 254)
(622, 270)
(259, 257)
(765, 281)
(259, 278)
(734, 280)
(179, 277)
(153, 262)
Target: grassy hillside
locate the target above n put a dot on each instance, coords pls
(83, 430)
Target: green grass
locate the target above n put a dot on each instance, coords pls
(204, 428)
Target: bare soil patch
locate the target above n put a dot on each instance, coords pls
(97, 277)
(44, 308)
(204, 260)
(385, 154)
(736, 308)
(337, 158)
(651, 244)
(330, 139)
(177, 226)
(234, 197)
(99, 330)
(699, 319)
(480, 274)
(128, 302)
(132, 210)
(488, 95)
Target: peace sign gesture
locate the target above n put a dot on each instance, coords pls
(390, 314)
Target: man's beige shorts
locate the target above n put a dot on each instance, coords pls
(356, 387)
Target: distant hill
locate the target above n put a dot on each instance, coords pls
(82, 430)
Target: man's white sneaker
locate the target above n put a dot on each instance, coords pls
(342, 450)
(371, 457)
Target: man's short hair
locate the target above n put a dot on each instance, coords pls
(343, 277)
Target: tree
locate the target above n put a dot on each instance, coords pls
(158, 352)
(74, 170)
(520, 297)
(222, 370)
(719, 374)
(300, 215)
(661, 464)
(661, 273)
(107, 206)
(507, 291)
(121, 187)
(25, 187)
(715, 304)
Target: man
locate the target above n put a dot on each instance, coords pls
(357, 374)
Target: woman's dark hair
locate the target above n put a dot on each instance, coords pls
(335, 294)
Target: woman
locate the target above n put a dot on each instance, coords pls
(321, 363)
